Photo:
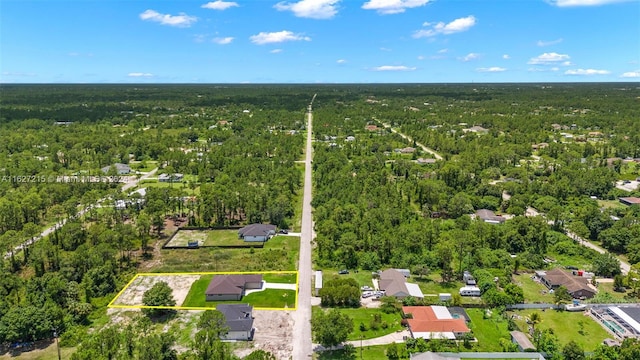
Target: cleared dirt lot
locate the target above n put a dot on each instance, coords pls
(180, 284)
(274, 333)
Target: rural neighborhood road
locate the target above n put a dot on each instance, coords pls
(406, 137)
(624, 266)
(302, 347)
(48, 231)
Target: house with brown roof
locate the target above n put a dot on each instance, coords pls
(434, 322)
(630, 200)
(371, 127)
(393, 283)
(257, 232)
(577, 286)
(232, 286)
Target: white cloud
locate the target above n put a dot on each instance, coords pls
(393, 68)
(386, 7)
(140, 74)
(219, 5)
(420, 57)
(443, 51)
(548, 43)
(506, 56)
(491, 69)
(548, 58)
(313, 9)
(276, 51)
(385, 49)
(223, 41)
(181, 20)
(631, 74)
(456, 26)
(341, 61)
(470, 56)
(575, 3)
(277, 37)
(587, 72)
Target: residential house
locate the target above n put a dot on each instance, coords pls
(524, 344)
(489, 216)
(177, 177)
(434, 322)
(577, 286)
(371, 127)
(393, 283)
(238, 320)
(121, 169)
(476, 129)
(232, 286)
(407, 150)
(630, 200)
(423, 161)
(257, 232)
(470, 291)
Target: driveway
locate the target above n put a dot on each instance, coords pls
(267, 285)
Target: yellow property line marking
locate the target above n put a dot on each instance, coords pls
(111, 305)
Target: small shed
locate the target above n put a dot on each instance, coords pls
(318, 282)
(444, 296)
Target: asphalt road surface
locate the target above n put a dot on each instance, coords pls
(302, 347)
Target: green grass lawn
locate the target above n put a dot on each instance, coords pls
(268, 298)
(488, 331)
(567, 326)
(363, 277)
(279, 254)
(365, 316)
(149, 183)
(223, 238)
(534, 292)
(45, 353)
(280, 278)
(611, 204)
(608, 287)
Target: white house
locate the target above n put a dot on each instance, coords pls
(470, 291)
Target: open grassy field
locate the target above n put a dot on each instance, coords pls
(534, 292)
(363, 277)
(365, 316)
(610, 204)
(208, 238)
(279, 254)
(567, 326)
(488, 331)
(281, 278)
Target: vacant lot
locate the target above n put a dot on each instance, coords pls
(207, 238)
(132, 294)
(488, 331)
(567, 326)
(279, 254)
(534, 292)
(366, 317)
(274, 333)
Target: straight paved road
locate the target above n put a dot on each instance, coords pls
(302, 348)
(52, 228)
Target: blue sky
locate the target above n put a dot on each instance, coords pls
(309, 41)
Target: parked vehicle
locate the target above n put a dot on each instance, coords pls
(343, 272)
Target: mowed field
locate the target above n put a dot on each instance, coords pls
(280, 253)
(207, 238)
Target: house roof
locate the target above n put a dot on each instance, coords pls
(522, 340)
(433, 319)
(257, 230)
(630, 200)
(489, 216)
(119, 167)
(238, 316)
(558, 277)
(392, 282)
(431, 356)
(232, 284)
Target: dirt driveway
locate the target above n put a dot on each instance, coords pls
(180, 284)
(274, 333)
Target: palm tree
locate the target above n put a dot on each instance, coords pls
(534, 319)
